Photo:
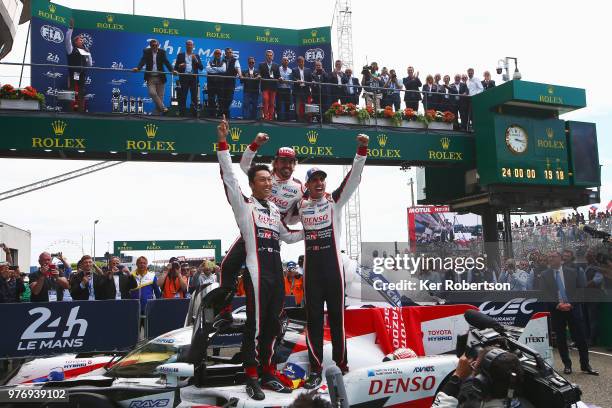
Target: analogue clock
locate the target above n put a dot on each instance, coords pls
(516, 139)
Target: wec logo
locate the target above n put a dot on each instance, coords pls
(511, 307)
(52, 34)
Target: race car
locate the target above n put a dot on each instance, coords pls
(178, 369)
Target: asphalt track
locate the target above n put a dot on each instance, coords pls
(596, 391)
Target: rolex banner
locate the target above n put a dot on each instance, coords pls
(116, 42)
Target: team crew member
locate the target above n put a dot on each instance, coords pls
(294, 284)
(286, 192)
(323, 273)
(259, 221)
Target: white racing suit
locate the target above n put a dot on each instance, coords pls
(323, 271)
(261, 228)
(285, 194)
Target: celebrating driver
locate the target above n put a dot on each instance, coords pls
(259, 221)
(323, 272)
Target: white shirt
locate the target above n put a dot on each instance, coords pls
(285, 73)
(117, 291)
(188, 65)
(154, 67)
(474, 86)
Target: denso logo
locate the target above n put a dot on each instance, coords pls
(511, 307)
(279, 201)
(315, 219)
(395, 385)
(150, 403)
(52, 34)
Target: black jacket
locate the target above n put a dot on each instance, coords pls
(355, 83)
(573, 280)
(412, 84)
(264, 72)
(100, 284)
(487, 85)
(251, 85)
(196, 66)
(337, 91)
(295, 76)
(147, 61)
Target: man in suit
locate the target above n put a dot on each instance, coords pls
(412, 85)
(88, 283)
(232, 70)
(154, 60)
(119, 281)
(459, 90)
(429, 91)
(188, 65)
(562, 288)
(319, 76)
(268, 70)
(487, 82)
(215, 69)
(250, 92)
(301, 89)
(336, 79)
(352, 88)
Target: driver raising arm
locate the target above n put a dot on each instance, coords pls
(321, 216)
(259, 221)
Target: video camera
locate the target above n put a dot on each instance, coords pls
(602, 255)
(541, 385)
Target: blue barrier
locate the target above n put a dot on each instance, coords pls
(164, 315)
(46, 328)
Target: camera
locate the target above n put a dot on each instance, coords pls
(541, 385)
(56, 255)
(499, 70)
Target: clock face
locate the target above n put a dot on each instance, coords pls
(516, 139)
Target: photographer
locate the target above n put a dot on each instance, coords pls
(88, 283)
(118, 280)
(484, 382)
(517, 278)
(46, 284)
(172, 284)
(371, 88)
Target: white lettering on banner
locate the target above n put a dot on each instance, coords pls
(71, 336)
(394, 322)
(512, 307)
(314, 54)
(52, 58)
(52, 34)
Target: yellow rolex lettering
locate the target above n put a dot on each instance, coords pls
(37, 142)
(130, 145)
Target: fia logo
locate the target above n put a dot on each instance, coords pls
(314, 54)
(52, 34)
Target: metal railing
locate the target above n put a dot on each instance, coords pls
(302, 101)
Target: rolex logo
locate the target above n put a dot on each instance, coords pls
(445, 142)
(235, 134)
(267, 32)
(110, 18)
(153, 243)
(125, 244)
(382, 139)
(551, 90)
(217, 27)
(312, 136)
(52, 8)
(59, 127)
(165, 23)
(182, 243)
(550, 133)
(313, 33)
(151, 130)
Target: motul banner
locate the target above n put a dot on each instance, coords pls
(38, 329)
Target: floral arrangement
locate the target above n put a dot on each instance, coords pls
(437, 116)
(337, 109)
(29, 93)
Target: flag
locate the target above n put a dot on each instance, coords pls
(609, 206)
(593, 208)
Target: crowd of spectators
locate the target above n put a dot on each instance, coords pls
(55, 280)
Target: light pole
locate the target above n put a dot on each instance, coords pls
(94, 240)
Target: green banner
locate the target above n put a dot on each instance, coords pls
(134, 138)
(168, 245)
(169, 26)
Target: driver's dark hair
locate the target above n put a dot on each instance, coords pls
(255, 168)
(310, 400)
(500, 374)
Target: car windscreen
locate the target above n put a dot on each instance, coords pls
(142, 361)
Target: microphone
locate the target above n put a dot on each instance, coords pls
(481, 321)
(594, 232)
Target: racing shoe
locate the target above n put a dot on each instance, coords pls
(313, 382)
(272, 382)
(253, 389)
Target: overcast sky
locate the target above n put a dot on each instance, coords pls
(556, 42)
